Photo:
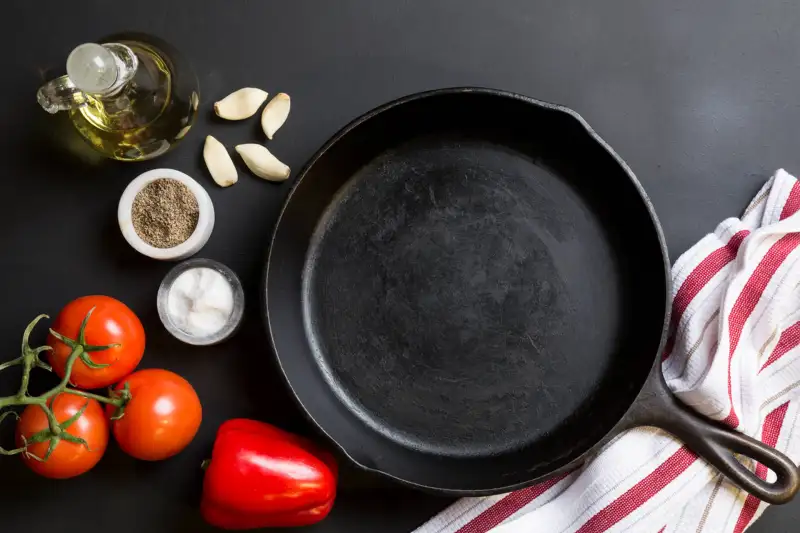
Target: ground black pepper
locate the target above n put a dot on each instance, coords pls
(165, 213)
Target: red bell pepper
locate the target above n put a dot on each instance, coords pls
(262, 476)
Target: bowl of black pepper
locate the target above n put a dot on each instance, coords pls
(165, 214)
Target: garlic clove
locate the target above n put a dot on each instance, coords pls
(241, 104)
(275, 114)
(219, 163)
(262, 163)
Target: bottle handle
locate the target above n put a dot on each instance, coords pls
(60, 94)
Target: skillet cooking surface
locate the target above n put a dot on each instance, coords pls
(464, 297)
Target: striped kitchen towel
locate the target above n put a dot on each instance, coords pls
(733, 354)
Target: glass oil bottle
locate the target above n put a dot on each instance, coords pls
(131, 98)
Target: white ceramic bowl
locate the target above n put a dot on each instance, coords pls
(192, 245)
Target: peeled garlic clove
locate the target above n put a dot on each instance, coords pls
(275, 114)
(219, 163)
(262, 162)
(241, 104)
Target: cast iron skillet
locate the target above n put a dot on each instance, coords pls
(467, 291)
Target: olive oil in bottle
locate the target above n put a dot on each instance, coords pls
(132, 98)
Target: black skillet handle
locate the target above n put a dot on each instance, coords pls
(716, 443)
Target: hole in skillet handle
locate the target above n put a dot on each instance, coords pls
(715, 443)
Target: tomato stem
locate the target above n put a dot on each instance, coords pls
(98, 397)
(9, 364)
(30, 359)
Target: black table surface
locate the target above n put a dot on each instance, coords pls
(700, 98)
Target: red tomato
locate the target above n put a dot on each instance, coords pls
(112, 322)
(161, 418)
(69, 459)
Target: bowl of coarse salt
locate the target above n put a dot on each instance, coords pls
(165, 214)
(201, 302)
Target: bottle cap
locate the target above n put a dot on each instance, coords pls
(92, 68)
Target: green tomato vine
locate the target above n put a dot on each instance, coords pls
(29, 359)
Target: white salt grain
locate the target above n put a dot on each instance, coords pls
(200, 302)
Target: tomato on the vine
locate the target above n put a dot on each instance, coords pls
(161, 418)
(68, 459)
(112, 322)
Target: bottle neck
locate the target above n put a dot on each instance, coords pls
(125, 62)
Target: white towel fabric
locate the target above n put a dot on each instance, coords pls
(733, 354)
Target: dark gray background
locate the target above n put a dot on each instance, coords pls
(701, 99)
